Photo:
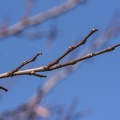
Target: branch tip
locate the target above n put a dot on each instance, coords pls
(94, 29)
(3, 88)
(39, 53)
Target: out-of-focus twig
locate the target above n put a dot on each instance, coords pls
(52, 35)
(36, 35)
(42, 111)
(28, 8)
(70, 110)
(39, 18)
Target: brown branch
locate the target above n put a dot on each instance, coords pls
(39, 18)
(44, 68)
(71, 48)
(53, 81)
(89, 55)
(3, 88)
(60, 75)
(72, 62)
(38, 75)
(57, 66)
(11, 73)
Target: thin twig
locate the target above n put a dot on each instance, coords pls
(3, 88)
(39, 18)
(24, 63)
(72, 62)
(71, 48)
(57, 66)
(38, 75)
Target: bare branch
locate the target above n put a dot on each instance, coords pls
(31, 108)
(3, 88)
(23, 64)
(72, 62)
(57, 66)
(71, 48)
(39, 18)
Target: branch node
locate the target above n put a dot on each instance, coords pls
(10, 73)
(32, 72)
(39, 53)
(111, 48)
(25, 62)
(46, 68)
(25, 21)
(71, 47)
(91, 54)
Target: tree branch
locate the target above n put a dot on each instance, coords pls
(3, 88)
(71, 48)
(57, 66)
(39, 18)
(72, 62)
(11, 73)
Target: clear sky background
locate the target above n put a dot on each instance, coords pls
(96, 83)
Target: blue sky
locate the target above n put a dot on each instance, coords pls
(95, 83)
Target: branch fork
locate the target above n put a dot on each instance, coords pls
(56, 63)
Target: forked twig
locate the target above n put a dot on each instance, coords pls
(72, 62)
(71, 48)
(53, 65)
(23, 64)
